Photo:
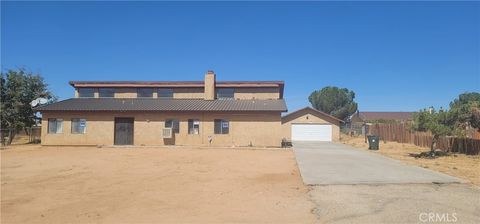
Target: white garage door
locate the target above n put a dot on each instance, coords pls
(311, 132)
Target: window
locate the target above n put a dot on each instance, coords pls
(79, 126)
(225, 93)
(174, 124)
(55, 126)
(193, 126)
(86, 92)
(221, 126)
(144, 92)
(106, 92)
(165, 93)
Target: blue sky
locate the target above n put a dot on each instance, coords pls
(396, 56)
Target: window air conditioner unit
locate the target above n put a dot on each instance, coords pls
(167, 133)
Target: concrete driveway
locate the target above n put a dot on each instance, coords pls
(355, 186)
(326, 163)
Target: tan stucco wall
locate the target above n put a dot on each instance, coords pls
(312, 119)
(198, 93)
(209, 86)
(255, 128)
(257, 93)
(178, 93)
(188, 93)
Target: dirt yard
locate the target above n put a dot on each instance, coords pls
(459, 165)
(126, 185)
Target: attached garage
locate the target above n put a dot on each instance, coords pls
(309, 124)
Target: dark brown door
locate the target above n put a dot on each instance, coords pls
(123, 131)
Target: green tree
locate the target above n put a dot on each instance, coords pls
(3, 122)
(335, 101)
(18, 88)
(437, 122)
(465, 111)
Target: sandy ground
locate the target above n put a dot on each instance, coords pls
(125, 185)
(463, 166)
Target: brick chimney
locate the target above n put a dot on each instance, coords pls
(209, 93)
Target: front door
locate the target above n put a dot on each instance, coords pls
(123, 131)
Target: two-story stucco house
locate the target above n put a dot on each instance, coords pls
(209, 112)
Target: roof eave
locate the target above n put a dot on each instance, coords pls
(105, 110)
(309, 108)
(200, 84)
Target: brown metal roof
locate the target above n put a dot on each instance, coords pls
(397, 116)
(150, 104)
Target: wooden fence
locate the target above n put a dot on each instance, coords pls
(475, 134)
(402, 133)
(35, 134)
(29, 135)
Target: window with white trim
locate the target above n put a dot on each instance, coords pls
(193, 126)
(55, 126)
(79, 126)
(221, 126)
(174, 124)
